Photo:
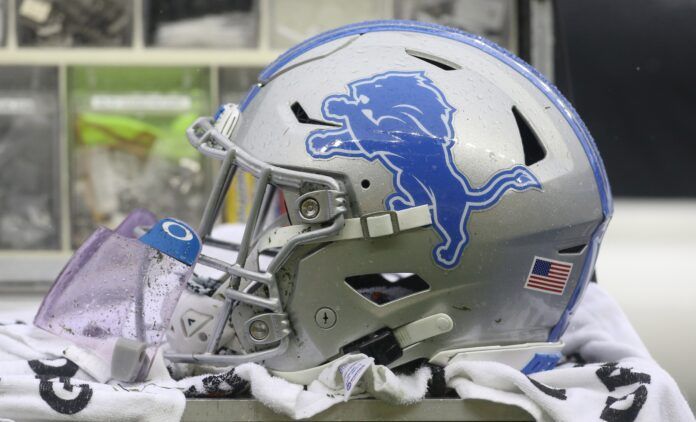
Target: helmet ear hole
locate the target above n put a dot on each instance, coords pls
(384, 288)
(365, 184)
(531, 145)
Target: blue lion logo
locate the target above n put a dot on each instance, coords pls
(402, 120)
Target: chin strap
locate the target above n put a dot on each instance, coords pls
(368, 226)
(528, 358)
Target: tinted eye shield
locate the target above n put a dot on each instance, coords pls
(115, 297)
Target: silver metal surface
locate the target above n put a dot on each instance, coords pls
(235, 279)
(358, 410)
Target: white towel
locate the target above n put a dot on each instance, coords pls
(613, 377)
(37, 382)
(609, 376)
(351, 376)
(628, 390)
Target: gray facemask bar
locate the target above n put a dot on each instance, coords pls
(209, 141)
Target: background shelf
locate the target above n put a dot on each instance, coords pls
(216, 47)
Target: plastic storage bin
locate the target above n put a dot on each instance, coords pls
(493, 19)
(3, 22)
(29, 158)
(103, 23)
(292, 22)
(215, 23)
(235, 82)
(128, 144)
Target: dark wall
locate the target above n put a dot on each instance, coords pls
(629, 68)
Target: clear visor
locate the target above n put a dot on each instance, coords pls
(116, 295)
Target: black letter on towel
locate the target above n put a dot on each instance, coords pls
(623, 378)
(65, 406)
(625, 415)
(557, 393)
(43, 370)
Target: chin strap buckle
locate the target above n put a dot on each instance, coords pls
(387, 223)
(378, 224)
(381, 345)
(386, 346)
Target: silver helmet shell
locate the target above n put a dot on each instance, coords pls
(404, 115)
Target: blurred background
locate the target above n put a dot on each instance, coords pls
(95, 96)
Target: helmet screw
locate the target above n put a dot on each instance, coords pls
(325, 317)
(259, 330)
(309, 208)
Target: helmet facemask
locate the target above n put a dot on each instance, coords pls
(320, 205)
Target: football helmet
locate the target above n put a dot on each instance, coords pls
(438, 197)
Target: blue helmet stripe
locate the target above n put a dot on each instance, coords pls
(518, 65)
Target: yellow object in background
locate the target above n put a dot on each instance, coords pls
(239, 199)
(128, 144)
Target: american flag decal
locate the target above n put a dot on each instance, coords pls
(548, 276)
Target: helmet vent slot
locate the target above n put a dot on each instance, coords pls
(573, 249)
(533, 149)
(302, 117)
(381, 289)
(434, 60)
